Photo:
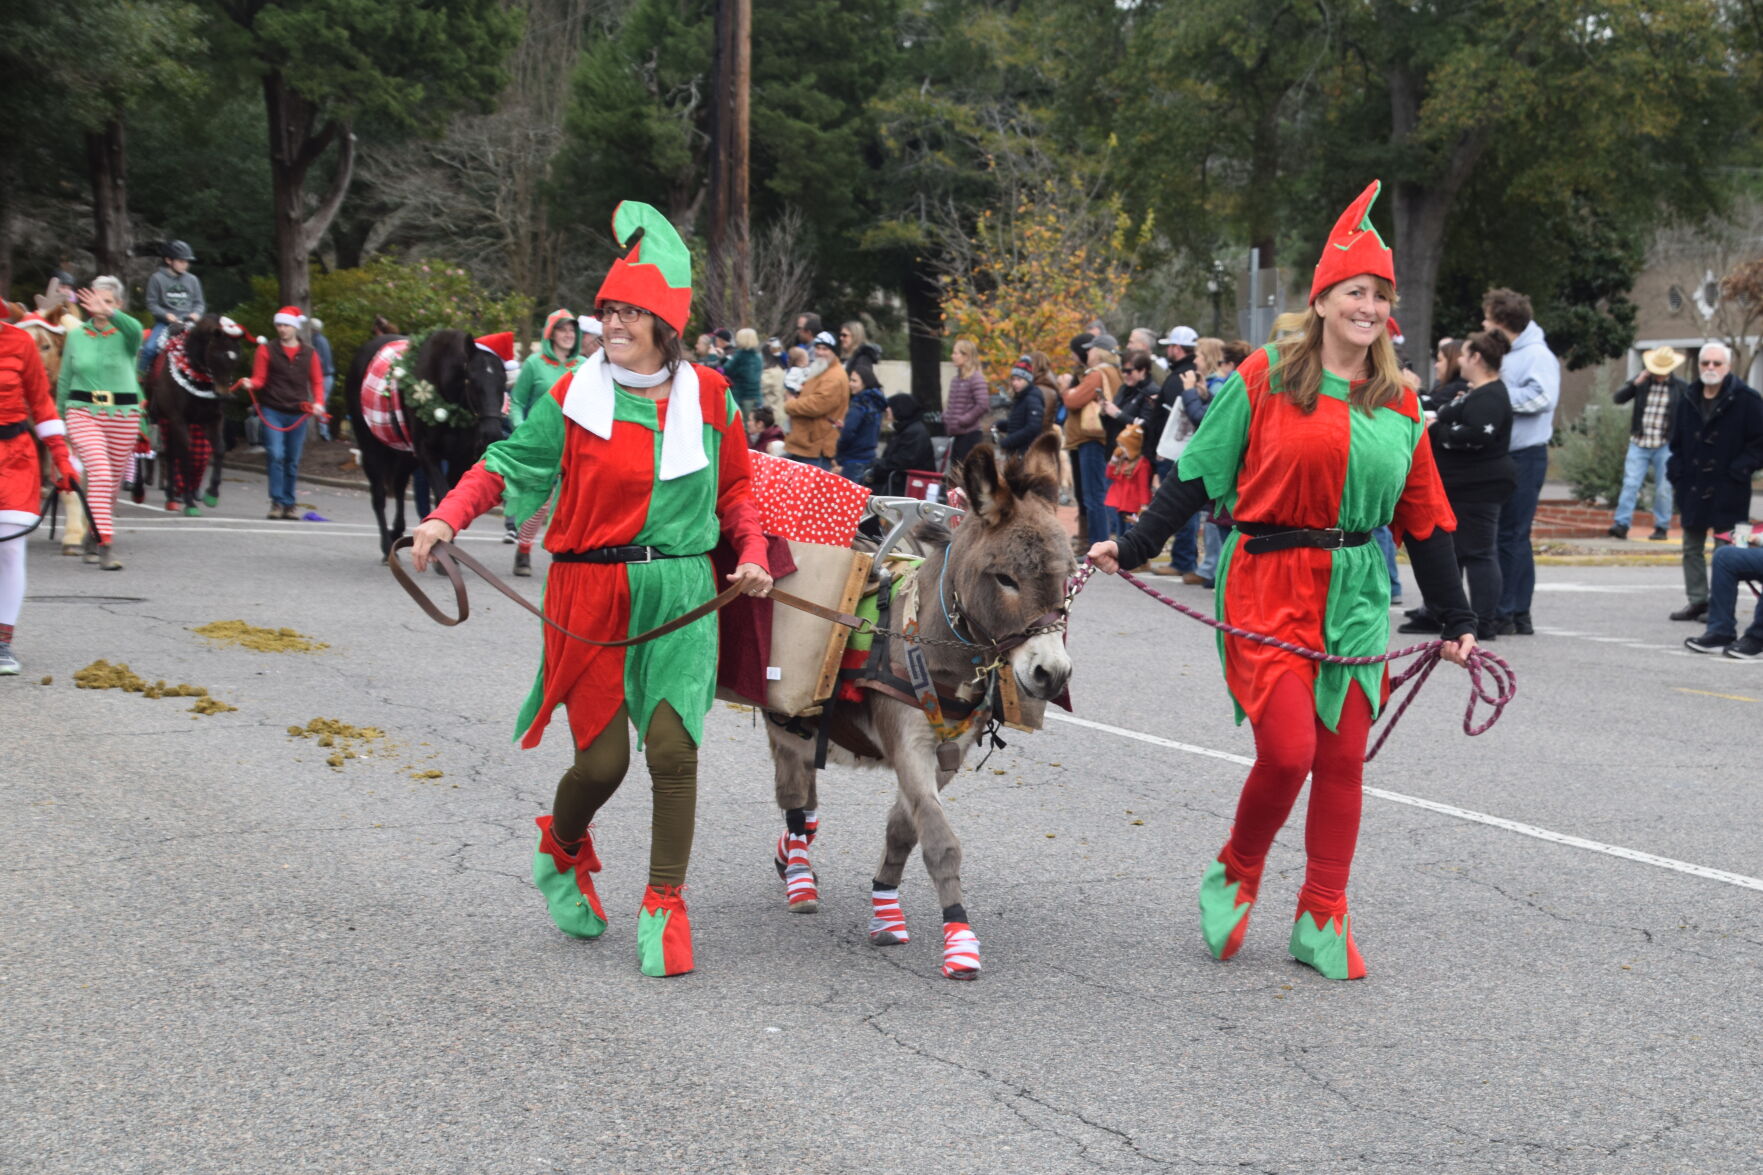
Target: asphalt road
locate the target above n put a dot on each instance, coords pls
(220, 954)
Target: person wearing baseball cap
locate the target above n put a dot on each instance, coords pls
(1655, 393)
(649, 458)
(1310, 445)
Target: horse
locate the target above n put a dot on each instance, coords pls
(995, 587)
(48, 327)
(395, 441)
(191, 373)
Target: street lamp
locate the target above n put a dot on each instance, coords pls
(1215, 286)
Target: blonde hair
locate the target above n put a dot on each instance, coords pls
(1299, 370)
(747, 339)
(966, 346)
(1208, 355)
(859, 336)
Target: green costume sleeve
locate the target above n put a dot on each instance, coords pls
(520, 396)
(130, 328)
(1215, 452)
(529, 461)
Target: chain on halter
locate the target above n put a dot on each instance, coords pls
(1503, 678)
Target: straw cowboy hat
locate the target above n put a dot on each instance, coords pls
(1661, 360)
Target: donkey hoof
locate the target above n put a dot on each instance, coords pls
(805, 906)
(960, 951)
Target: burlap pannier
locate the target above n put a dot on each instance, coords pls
(803, 668)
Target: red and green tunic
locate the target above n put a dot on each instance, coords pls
(1335, 467)
(610, 495)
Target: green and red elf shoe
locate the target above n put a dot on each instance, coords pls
(1227, 894)
(562, 876)
(664, 933)
(1322, 937)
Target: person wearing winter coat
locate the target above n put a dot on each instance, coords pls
(743, 368)
(559, 354)
(968, 401)
(816, 410)
(1028, 411)
(1716, 445)
(909, 450)
(174, 297)
(861, 433)
(1532, 376)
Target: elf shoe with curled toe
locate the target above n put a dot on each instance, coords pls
(664, 933)
(1227, 894)
(1322, 938)
(562, 876)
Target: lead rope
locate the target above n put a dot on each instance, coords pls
(1503, 679)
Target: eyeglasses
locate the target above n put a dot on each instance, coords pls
(622, 313)
(1714, 363)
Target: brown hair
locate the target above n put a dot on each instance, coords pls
(1490, 346)
(1299, 369)
(667, 341)
(1236, 351)
(1449, 350)
(1138, 361)
(1509, 309)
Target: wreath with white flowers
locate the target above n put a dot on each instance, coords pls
(420, 397)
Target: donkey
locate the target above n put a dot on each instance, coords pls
(184, 389)
(1002, 573)
(467, 377)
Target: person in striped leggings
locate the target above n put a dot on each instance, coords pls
(100, 400)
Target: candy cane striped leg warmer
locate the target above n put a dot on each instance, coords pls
(960, 945)
(887, 922)
(792, 864)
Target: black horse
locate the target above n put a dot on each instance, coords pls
(471, 380)
(184, 397)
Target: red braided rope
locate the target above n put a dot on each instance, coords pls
(1501, 675)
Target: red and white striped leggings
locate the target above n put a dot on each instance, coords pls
(103, 445)
(532, 527)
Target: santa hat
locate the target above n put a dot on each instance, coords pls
(1395, 328)
(657, 272)
(591, 326)
(290, 316)
(1354, 247)
(501, 345)
(37, 320)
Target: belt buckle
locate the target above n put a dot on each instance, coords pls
(104, 399)
(648, 556)
(1337, 539)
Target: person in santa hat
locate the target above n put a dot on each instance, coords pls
(559, 353)
(1312, 443)
(652, 456)
(27, 409)
(287, 385)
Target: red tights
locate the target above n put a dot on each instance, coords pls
(1290, 743)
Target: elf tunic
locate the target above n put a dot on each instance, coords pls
(26, 407)
(610, 495)
(1335, 467)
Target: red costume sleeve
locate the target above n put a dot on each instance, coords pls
(735, 505)
(476, 492)
(260, 367)
(317, 381)
(1423, 507)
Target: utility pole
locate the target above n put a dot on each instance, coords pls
(731, 249)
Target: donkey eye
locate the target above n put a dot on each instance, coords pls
(1005, 581)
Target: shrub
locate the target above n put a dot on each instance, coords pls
(1593, 451)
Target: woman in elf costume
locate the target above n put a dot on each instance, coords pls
(1311, 444)
(652, 457)
(559, 354)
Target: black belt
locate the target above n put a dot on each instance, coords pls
(107, 399)
(16, 428)
(620, 555)
(1272, 536)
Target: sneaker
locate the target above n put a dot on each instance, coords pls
(1707, 643)
(1692, 612)
(1617, 531)
(1746, 648)
(1503, 626)
(523, 563)
(1164, 569)
(1521, 624)
(1659, 535)
(1192, 577)
(8, 663)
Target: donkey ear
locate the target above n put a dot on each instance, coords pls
(1041, 462)
(987, 491)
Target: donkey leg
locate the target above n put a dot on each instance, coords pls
(887, 922)
(942, 859)
(793, 763)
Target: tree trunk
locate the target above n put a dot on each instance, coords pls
(728, 230)
(924, 339)
(294, 146)
(108, 163)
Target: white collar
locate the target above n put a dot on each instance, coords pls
(591, 397)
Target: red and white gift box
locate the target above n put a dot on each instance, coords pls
(805, 503)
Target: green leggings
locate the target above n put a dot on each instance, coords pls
(673, 776)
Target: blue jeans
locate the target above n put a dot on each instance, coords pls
(1518, 571)
(150, 347)
(283, 452)
(1213, 540)
(1732, 564)
(1093, 478)
(1386, 542)
(1634, 472)
(854, 470)
(817, 462)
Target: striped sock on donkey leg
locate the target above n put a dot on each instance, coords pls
(791, 861)
(887, 922)
(960, 945)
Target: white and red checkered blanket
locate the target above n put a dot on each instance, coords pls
(381, 405)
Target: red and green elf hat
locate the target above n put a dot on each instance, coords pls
(657, 272)
(1354, 247)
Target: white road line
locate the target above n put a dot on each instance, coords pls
(1519, 827)
(352, 536)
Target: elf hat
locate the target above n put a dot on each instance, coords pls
(657, 272)
(290, 316)
(555, 317)
(1354, 247)
(501, 345)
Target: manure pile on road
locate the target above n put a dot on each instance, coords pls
(344, 740)
(262, 640)
(102, 674)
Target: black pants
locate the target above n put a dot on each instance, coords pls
(1478, 554)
